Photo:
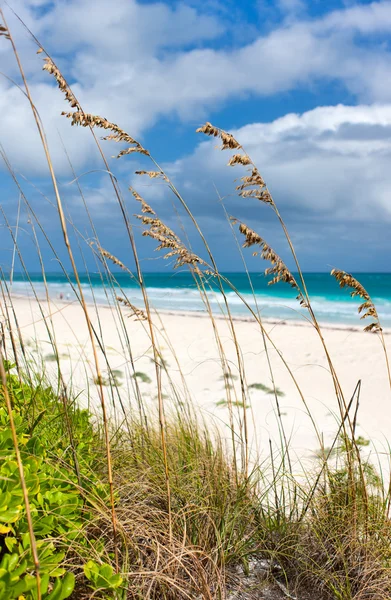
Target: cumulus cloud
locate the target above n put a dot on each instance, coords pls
(330, 161)
(328, 170)
(143, 62)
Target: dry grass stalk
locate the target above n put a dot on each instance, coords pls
(254, 181)
(51, 68)
(262, 195)
(167, 238)
(228, 139)
(138, 149)
(79, 117)
(239, 159)
(152, 174)
(254, 186)
(145, 208)
(367, 308)
(19, 462)
(137, 312)
(279, 270)
(112, 258)
(119, 135)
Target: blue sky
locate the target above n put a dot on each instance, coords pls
(305, 86)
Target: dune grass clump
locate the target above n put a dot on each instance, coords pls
(343, 547)
(211, 510)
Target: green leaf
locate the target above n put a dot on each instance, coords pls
(10, 542)
(90, 569)
(55, 594)
(116, 581)
(13, 561)
(68, 585)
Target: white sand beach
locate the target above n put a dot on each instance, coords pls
(356, 355)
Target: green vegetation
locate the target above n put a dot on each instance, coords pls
(225, 402)
(142, 377)
(265, 388)
(58, 506)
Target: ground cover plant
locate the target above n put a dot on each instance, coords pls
(131, 499)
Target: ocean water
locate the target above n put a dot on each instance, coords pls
(177, 292)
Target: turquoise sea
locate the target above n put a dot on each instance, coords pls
(177, 292)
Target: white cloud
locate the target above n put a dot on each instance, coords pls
(371, 18)
(19, 134)
(128, 27)
(332, 162)
(143, 61)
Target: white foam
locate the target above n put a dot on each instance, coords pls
(187, 299)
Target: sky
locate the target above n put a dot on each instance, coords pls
(304, 86)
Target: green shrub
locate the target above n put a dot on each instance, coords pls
(58, 508)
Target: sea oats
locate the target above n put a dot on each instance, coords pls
(239, 159)
(119, 135)
(137, 312)
(367, 307)
(112, 258)
(160, 232)
(208, 129)
(4, 31)
(152, 174)
(278, 270)
(168, 240)
(262, 195)
(251, 236)
(79, 117)
(228, 139)
(156, 222)
(253, 186)
(51, 68)
(138, 149)
(255, 179)
(145, 208)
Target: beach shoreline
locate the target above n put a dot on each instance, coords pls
(204, 315)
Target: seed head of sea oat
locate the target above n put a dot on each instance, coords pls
(4, 31)
(239, 159)
(136, 312)
(278, 270)
(367, 308)
(228, 140)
